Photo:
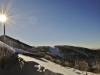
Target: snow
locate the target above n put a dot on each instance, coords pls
(55, 51)
(6, 46)
(55, 67)
(20, 50)
(48, 65)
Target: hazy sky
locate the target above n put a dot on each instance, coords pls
(53, 22)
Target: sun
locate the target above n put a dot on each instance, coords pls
(3, 18)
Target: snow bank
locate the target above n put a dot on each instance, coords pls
(50, 65)
(55, 67)
(20, 51)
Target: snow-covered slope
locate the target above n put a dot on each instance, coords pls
(55, 67)
(20, 50)
(53, 50)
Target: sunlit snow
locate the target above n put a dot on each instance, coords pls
(55, 67)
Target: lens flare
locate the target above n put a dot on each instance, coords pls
(3, 18)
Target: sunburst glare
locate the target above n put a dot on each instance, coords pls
(3, 18)
(8, 15)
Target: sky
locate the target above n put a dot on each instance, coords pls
(53, 22)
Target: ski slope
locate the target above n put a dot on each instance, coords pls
(55, 67)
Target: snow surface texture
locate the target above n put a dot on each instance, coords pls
(55, 51)
(20, 50)
(6, 46)
(55, 67)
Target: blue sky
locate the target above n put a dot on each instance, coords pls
(53, 22)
